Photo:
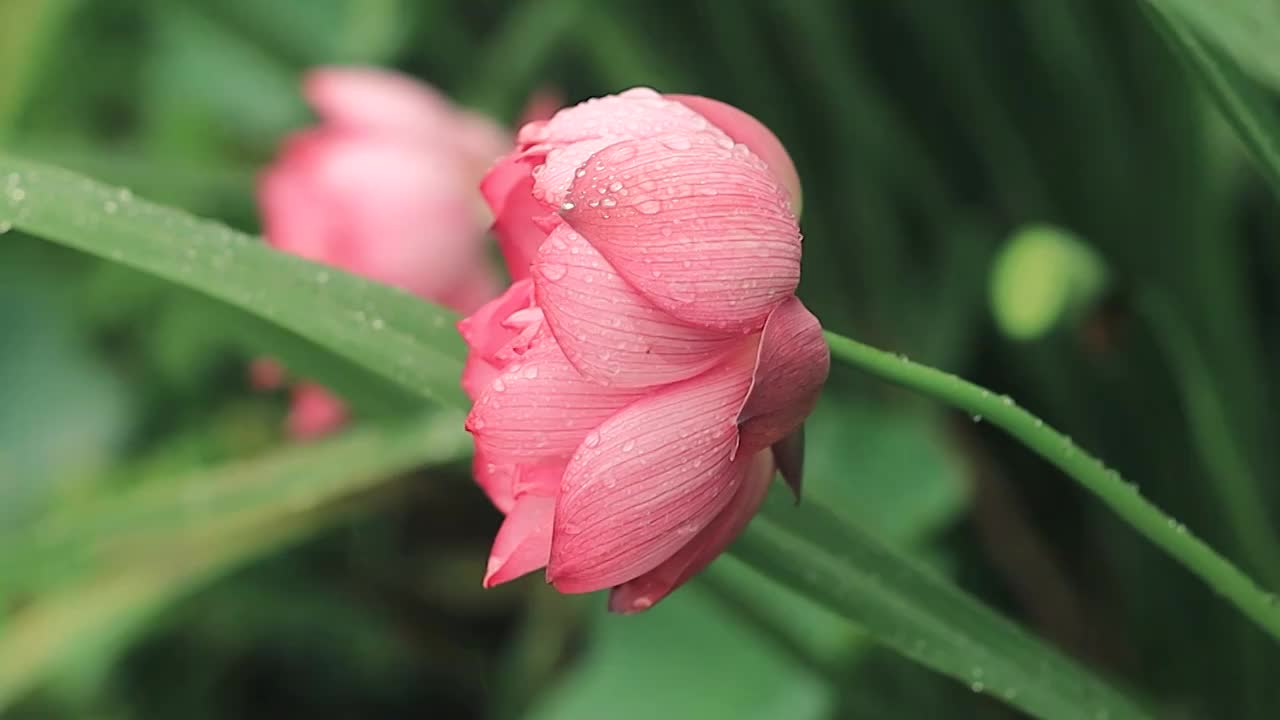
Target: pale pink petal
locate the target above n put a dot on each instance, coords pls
(294, 206)
(790, 369)
(607, 330)
(401, 216)
(749, 131)
(508, 189)
(648, 480)
(367, 98)
(703, 231)
(638, 112)
(524, 541)
(478, 138)
(478, 286)
(645, 591)
(315, 412)
(540, 408)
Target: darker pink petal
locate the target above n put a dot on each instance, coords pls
(648, 480)
(788, 455)
(702, 231)
(492, 339)
(540, 408)
(508, 189)
(315, 412)
(751, 132)
(523, 542)
(607, 330)
(790, 369)
(497, 480)
(645, 591)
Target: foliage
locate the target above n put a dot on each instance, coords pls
(165, 552)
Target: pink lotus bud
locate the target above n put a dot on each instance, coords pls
(384, 187)
(631, 386)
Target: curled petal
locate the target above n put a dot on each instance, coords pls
(788, 455)
(791, 366)
(607, 330)
(649, 480)
(524, 541)
(645, 591)
(749, 131)
(508, 189)
(486, 331)
(571, 136)
(541, 408)
(702, 230)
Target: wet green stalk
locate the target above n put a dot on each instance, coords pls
(1122, 497)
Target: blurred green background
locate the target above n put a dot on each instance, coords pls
(1033, 194)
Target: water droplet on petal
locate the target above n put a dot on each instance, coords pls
(531, 372)
(628, 446)
(553, 271)
(651, 207)
(592, 439)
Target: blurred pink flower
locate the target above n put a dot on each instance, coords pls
(631, 385)
(384, 187)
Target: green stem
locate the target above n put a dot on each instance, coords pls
(1122, 497)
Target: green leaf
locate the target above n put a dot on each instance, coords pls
(93, 573)
(26, 28)
(1246, 30)
(1249, 110)
(908, 608)
(909, 485)
(64, 412)
(379, 329)
(684, 660)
